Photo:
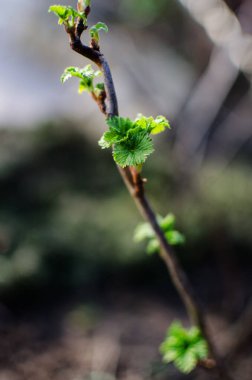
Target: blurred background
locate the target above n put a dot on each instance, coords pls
(78, 298)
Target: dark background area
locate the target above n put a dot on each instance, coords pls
(78, 297)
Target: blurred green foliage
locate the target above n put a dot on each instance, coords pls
(66, 217)
(144, 231)
(61, 211)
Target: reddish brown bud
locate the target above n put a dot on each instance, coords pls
(87, 10)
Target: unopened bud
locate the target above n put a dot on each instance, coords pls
(81, 5)
(87, 11)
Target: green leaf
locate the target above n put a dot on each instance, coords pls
(101, 26)
(153, 126)
(167, 223)
(184, 347)
(99, 89)
(152, 247)
(201, 349)
(134, 150)
(59, 10)
(85, 84)
(175, 237)
(69, 73)
(86, 76)
(143, 231)
(144, 122)
(119, 128)
(120, 125)
(186, 362)
(96, 29)
(103, 143)
(66, 14)
(160, 124)
(130, 139)
(100, 86)
(74, 13)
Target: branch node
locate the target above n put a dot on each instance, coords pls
(207, 363)
(94, 45)
(137, 182)
(100, 100)
(87, 11)
(80, 27)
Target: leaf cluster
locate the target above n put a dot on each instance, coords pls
(144, 231)
(96, 29)
(153, 126)
(130, 140)
(67, 15)
(184, 347)
(86, 76)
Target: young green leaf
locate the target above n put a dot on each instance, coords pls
(152, 247)
(159, 125)
(61, 11)
(69, 73)
(101, 26)
(66, 14)
(167, 223)
(119, 128)
(131, 140)
(145, 232)
(85, 84)
(153, 126)
(99, 89)
(184, 347)
(103, 143)
(134, 150)
(86, 76)
(175, 237)
(96, 29)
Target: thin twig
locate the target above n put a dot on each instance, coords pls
(135, 185)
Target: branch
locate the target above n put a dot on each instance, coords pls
(110, 88)
(135, 185)
(178, 277)
(98, 58)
